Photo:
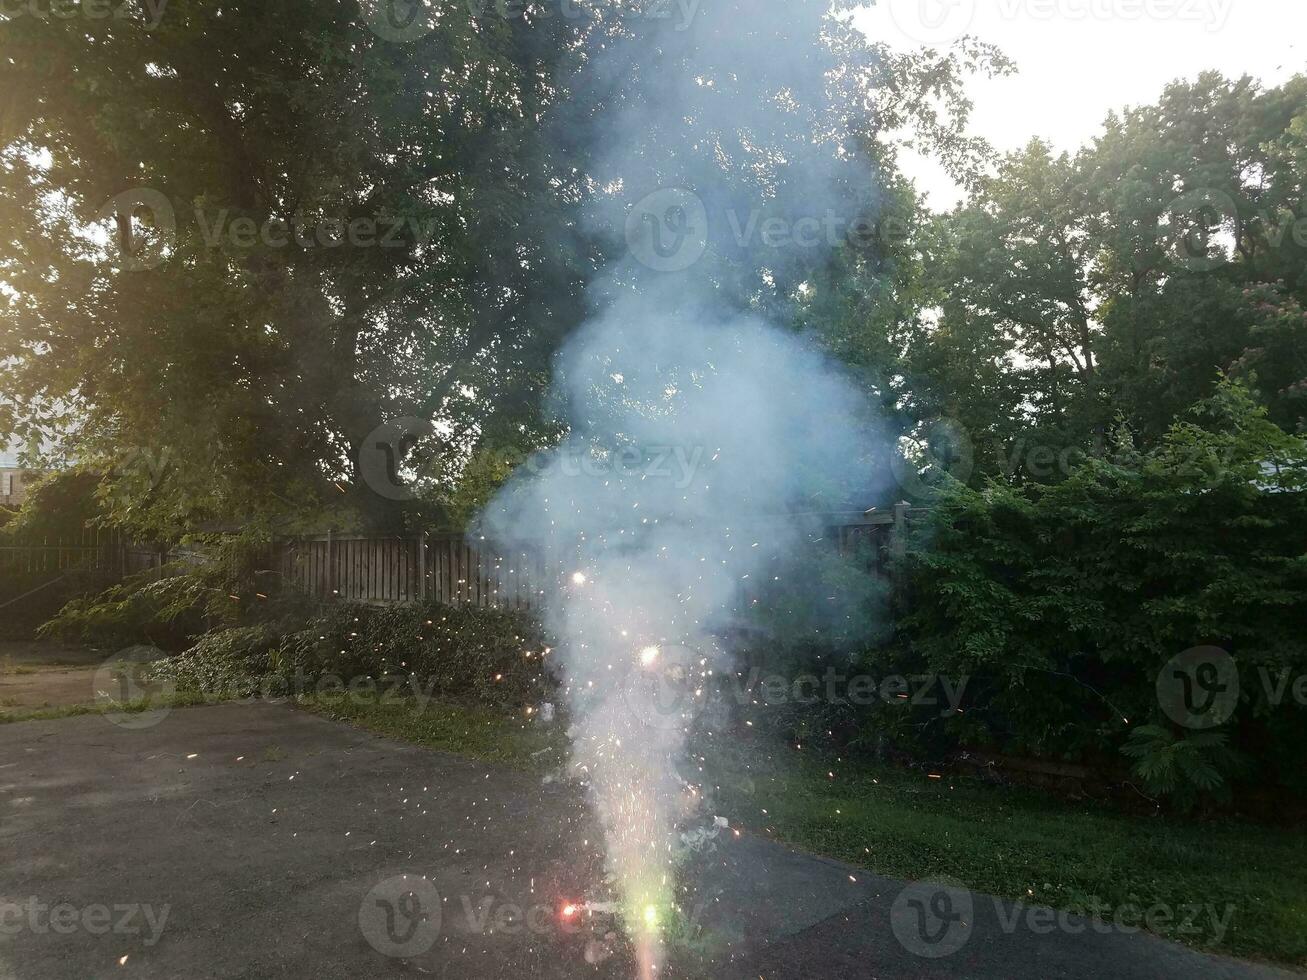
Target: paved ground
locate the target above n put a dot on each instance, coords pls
(257, 841)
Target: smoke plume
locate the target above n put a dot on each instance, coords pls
(703, 442)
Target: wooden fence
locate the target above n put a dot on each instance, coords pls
(438, 567)
(447, 568)
(38, 574)
(91, 550)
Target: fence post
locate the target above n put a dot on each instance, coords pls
(898, 541)
(331, 566)
(422, 566)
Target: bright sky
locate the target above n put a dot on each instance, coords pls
(1078, 59)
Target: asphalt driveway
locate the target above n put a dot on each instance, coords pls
(259, 841)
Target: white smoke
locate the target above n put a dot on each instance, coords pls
(702, 441)
(658, 559)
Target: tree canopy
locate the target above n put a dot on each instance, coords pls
(240, 237)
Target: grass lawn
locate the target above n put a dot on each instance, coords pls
(179, 699)
(472, 730)
(1014, 843)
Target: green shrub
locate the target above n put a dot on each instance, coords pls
(218, 585)
(1185, 769)
(1062, 603)
(163, 612)
(492, 656)
(233, 660)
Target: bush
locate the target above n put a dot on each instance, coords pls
(1063, 603)
(494, 656)
(221, 585)
(1184, 768)
(234, 660)
(143, 609)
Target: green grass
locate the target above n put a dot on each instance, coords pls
(179, 699)
(473, 730)
(1017, 844)
(1026, 845)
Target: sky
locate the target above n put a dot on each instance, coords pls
(1079, 59)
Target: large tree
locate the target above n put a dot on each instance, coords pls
(1126, 278)
(320, 226)
(239, 237)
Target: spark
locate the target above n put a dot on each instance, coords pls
(648, 655)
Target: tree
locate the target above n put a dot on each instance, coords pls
(240, 239)
(1123, 279)
(345, 229)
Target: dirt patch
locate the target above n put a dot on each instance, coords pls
(35, 674)
(57, 687)
(19, 654)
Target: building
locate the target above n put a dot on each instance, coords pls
(14, 481)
